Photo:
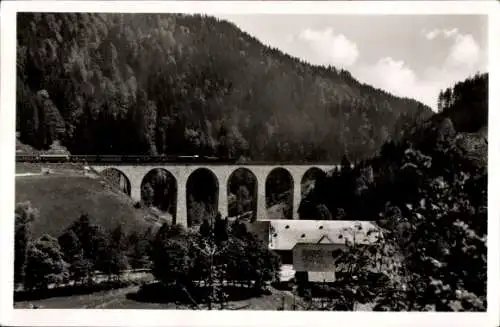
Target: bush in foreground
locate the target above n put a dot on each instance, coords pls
(45, 264)
(211, 257)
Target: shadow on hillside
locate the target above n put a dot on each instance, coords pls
(160, 293)
(70, 290)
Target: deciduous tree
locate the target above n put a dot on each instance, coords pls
(25, 216)
(45, 264)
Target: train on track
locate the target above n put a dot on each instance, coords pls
(60, 158)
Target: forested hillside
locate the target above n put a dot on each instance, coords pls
(452, 143)
(183, 84)
(429, 191)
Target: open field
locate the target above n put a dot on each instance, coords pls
(61, 199)
(24, 167)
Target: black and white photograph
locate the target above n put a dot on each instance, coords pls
(216, 160)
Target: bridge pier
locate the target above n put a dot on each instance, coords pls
(136, 173)
(181, 207)
(261, 200)
(297, 197)
(222, 203)
(135, 191)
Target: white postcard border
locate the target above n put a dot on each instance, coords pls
(114, 317)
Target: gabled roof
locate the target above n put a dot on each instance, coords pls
(285, 234)
(325, 240)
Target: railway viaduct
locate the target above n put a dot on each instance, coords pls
(134, 175)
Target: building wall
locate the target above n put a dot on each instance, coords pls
(315, 257)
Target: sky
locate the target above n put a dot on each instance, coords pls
(413, 56)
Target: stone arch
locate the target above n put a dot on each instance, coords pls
(117, 178)
(279, 194)
(159, 189)
(242, 194)
(309, 179)
(202, 190)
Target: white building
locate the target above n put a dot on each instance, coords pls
(311, 246)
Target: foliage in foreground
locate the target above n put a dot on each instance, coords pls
(214, 255)
(78, 256)
(210, 257)
(432, 255)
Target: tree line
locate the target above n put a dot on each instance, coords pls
(189, 84)
(457, 101)
(76, 256)
(206, 257)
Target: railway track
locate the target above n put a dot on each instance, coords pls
(61, 158)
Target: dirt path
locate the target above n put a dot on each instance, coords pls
(111, 298)
(27, 174)
(98, 300)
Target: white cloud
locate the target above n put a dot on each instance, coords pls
(330, 48)
(395, 74)
(446, 33)
(464, 52)
(432, 34)
(396, 77)
(450, 33)
(326, 47)
(464, 58)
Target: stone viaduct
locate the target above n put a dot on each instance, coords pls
(135, 174)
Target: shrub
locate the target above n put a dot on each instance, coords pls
(45, 264)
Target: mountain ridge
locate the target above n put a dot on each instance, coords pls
(96, 82)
